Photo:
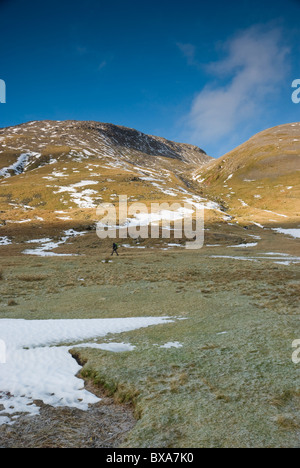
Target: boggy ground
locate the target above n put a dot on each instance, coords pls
(103, 426)
(231, 384)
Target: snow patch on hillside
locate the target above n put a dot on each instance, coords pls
(295, 232)
(81, 198)
(5, 241)
(47, 245)
(20, 165)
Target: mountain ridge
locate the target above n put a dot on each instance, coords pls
(59, 172)
(49, 138)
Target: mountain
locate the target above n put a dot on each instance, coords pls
(35, 144)
(259, 180)
(59, 172)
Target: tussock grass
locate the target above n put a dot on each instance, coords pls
(287, 422)
(31, 278)
(12, 303)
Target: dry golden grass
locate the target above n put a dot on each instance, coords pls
(287, 422)
(12, 303)
(263, 173)
(31, 278)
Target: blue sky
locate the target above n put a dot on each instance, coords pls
(207, 73)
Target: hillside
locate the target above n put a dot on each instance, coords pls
(54, 175)
(55, 172)
(46, 140)
(259, 177)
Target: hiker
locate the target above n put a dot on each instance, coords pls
(115, 249)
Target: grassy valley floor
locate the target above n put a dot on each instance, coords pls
(229, 380)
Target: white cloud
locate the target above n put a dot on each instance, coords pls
(254, 67)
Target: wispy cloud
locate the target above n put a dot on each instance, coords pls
(254, 67)
(189, 52)
(81, 50)
(93, 56)
(102, 65)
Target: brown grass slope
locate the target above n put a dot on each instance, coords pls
(59, 172)
(56, 139)
(259, 176)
